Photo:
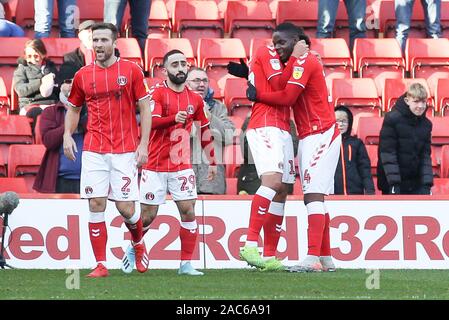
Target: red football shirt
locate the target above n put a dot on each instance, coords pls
(312, 110)
(110, 95)
(169, 147)
(264, 66)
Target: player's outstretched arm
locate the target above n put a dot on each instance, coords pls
(145, 128)
(72, 118)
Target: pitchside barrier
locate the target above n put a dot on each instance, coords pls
(394, 232)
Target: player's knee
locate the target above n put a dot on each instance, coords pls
(311, 197)
(97, 205)
(148, 218)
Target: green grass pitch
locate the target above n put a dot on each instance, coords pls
(226, 284)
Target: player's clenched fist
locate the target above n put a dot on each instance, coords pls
(181, 117)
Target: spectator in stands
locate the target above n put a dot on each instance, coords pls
(73, 61)
(353, 173)
(8, 28)
(327, 13)
(248, 180)
(43, 16)
(404, 10)
(221, 128)
(34, 80)
(140, 12)
(405, 165)
(57, 174)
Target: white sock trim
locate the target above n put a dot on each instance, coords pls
(189, 225)
(315, 207)
(146, 228)
(277, 208)
(96, 217)
(133, 220)
(266, 192)
(252, 244)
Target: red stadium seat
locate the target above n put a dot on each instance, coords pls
(232, 159)
(24, 159)
(58, 47)
(15, 129)
(440, 130)
(218, 93)
(444, 162)
(4, 100)
(256, 43)
(247, 20)
(37, 132)
(214, 55)
(428, 59)
(436, 160)
(372, 154)
(155, 49)
(335, 56)
(153, 81)
(394, 88)
(369, 130)
(12, 48)
(231, 186)
(301, 13)
(378, 59)
(360, 94)
(91, 10)
(235, 97)
(3, 167)
(442, 97)
(130, 50)
(18, 185)
(197, 19)
(440, 186)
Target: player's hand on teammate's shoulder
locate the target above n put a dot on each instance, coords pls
(300, 48)
(251, 92)
(181, 117)
(211, 172)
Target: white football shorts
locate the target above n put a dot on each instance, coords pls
(112, 175)
(154, 186)
(318, 158)
(272, 150)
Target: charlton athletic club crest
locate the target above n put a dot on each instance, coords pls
(149, 196)
(190, 109)
(121, 80)
(88, 190)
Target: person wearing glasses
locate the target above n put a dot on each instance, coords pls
(34, 80)
(353, 173)
(222, 128)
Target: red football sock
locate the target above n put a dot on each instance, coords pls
(188, 239)
(272, 228)
(259, 209)
(136, 230)
(315, 233)
(326, 242)
(98, 237)
(145, 230)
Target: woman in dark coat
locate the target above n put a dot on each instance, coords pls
(353, 173)
(405, 165)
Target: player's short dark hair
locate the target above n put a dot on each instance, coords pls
(170, 53)
(106, 25)
(293, 30)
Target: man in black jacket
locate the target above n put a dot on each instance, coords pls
(405, 165)
(73, 61)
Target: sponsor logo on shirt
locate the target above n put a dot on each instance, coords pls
(275, 64)
(297, 72)
(121, 80)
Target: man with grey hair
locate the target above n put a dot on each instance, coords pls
(222, 130)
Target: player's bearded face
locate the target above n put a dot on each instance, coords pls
(103, 44)
(177, 69)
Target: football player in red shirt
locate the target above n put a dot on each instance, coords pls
(318, 150)
(112, 88)
(271, 147)
(175, 108)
